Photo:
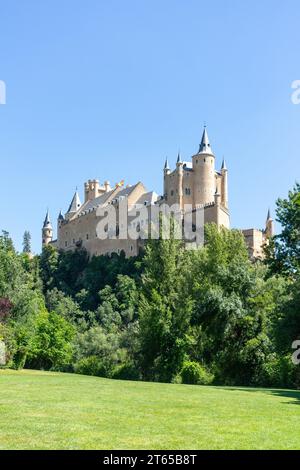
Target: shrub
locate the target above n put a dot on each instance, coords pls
(194, 373)
(51, 346)
(279, 372)
(127, 371)
(91, 365)
(19, 359)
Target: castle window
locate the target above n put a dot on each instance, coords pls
(188, 191)
(131, 248)
(172, 193)
(87, 236)
(66, 243)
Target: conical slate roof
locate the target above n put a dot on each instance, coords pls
(75, 204)
(224, 167)
(179, 158)
(47, 221)
(205, 144)
(60, 217)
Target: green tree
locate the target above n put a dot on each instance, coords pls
(51, 346)
(283, 253)
(230, 308)
(165, 308)
(98, 351)
(283, 257)
(64, 306)
(27, 242)
(49, 267)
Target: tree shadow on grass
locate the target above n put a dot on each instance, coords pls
(293, 394)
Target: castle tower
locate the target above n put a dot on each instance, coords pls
(166, 173)
(91, 190)
(179, 166)
(204, 173)
(47, 231)
(269, 231)
(224, 185)
(60, 221)
(74, 206)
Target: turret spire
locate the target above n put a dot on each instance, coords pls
(205, 144)
(47, 221)
(47, 231)
(269, 225)
(166, 167)
(75, 203)
(179, 157)
(224, 167)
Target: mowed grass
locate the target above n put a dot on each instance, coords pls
(45, 410)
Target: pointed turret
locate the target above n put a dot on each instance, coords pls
(47, 221)
(75, 204)
(223, 167)
(60, 221)
(205, 144)
(179, 160)
(204, 178)
(167, 166)
(167, 171)
(47, 230)
(269, 231)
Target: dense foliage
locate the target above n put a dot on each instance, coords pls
(193, 316)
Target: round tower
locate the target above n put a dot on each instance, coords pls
(224, 185)
(269, 231)
(179, 166)
(47, 231)
(166, 174)
(204, 173)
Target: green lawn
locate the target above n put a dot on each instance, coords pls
(44, 410)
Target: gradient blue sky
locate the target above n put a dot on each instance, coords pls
(108, 88)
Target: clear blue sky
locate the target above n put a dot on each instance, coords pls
(108, 88)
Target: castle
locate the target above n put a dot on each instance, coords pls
(192, 186)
